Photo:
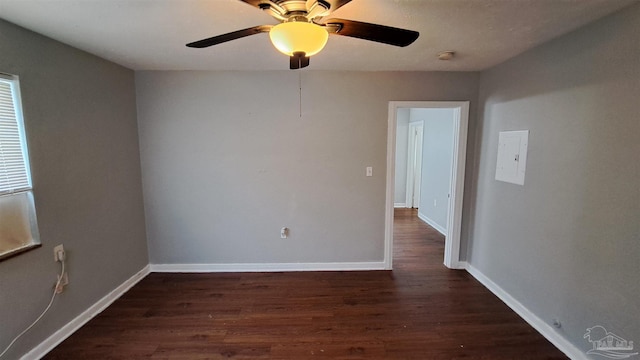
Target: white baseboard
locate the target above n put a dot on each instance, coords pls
(462, 265)
(432, 223)
(537, 323)
(267, 267)
(75, 324)
(399, 205)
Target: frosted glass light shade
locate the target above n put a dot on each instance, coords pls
(301, 36)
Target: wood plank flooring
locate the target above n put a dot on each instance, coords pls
(421, 310)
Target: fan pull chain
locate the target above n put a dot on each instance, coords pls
(300, 91)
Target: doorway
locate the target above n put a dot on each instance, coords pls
(460, 111)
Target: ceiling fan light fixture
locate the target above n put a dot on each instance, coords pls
(298, 36)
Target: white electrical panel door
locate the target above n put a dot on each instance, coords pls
(512, 156)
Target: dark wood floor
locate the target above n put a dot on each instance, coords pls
(421, 310)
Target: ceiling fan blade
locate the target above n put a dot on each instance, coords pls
(230, 36)
(373, 32)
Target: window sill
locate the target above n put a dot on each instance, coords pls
(19, 251)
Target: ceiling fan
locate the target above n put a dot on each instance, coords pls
(303, 31)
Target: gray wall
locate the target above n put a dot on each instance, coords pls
(567, 243)
(80, 118)
(437, 155)
(227, 161)
(402, 144)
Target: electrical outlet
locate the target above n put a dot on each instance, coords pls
(56, 253)
(435, 202)
(59, 255)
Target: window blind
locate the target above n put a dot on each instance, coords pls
(14, 174)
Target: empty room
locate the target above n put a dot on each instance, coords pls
(333, 179)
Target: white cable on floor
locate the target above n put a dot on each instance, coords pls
(41, 315)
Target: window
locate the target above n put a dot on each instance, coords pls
(18, 226)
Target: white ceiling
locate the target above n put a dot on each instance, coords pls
(151, 34)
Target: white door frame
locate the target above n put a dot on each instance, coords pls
(414, 165)
(454, 214)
